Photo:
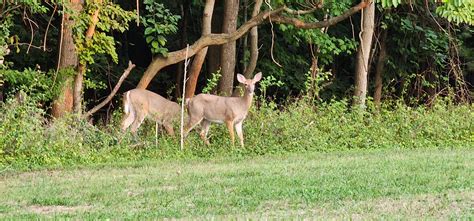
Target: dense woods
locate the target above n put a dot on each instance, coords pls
(72, 58)
(415, 51)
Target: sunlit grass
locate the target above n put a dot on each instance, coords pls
(352, 184)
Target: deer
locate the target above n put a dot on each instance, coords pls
(139, 104)
(207, 108)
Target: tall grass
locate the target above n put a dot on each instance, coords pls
(28, 141)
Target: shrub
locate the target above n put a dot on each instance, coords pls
(28, 141)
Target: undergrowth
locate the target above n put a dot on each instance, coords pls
(29, 141)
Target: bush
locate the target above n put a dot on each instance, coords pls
(28, 141)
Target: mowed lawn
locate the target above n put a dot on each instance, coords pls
(357, 184)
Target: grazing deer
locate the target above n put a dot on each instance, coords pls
(140, 103)
(207, 108)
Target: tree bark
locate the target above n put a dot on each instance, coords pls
(79, 78)
(63, 103)
(363, 54)
(253, 43)
(201, 55)
(379, 69)
(226, 83)
(174, 57)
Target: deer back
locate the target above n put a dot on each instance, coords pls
(150, 103)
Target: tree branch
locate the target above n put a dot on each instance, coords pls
(321, 24)
(302, 12)
(114, 91)
(159, 62)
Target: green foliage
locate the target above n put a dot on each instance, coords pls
(27, 141)
(111, 18)
(457, 11)
(313, 87)
(418, 55)
(266, 82)
(212, 82)
(30, 6)
(329, 46)
(6, 22)
(39, 86)
(159, 22)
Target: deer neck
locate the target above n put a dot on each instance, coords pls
(248, 98)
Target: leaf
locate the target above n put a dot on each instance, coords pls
(154, 44)
(162, 40)
(149, 31)
(149, 39)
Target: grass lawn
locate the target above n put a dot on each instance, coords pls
(351, 184)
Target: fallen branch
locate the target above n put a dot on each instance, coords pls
(114, 91)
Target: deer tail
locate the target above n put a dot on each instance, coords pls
(127, 109)
(186, 101)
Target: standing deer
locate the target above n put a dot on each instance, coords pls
(140, 103)
(207, 108)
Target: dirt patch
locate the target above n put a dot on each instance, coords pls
(57, 209)
(437, 206)
(426, 205)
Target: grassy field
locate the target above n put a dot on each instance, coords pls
(351, 184)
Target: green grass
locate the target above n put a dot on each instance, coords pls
(431, 183)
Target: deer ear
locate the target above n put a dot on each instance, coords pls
(241, 78)
(257, 77)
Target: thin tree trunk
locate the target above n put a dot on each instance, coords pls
(63, 103)
(226, 84)
(250, 68)
(201, 55)
(379, 69)
(79, 78)
(363, 54)
(253, 43)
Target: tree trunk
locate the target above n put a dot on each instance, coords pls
(63, 103)
(229, 25)
(363, 54)
(79, 78)
(379, 69)
(250, 68)
(201, 55)
(253, 43)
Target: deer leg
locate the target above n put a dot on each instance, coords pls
(230, 127)
(127, 120)
(169, 128)
(238, 129)
(192, 122)
(136, 124)
(204, 130)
